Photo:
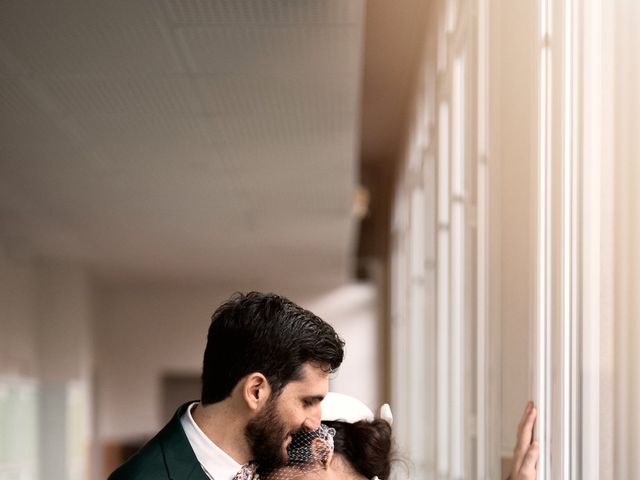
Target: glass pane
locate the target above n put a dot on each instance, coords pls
(457, 341)
(443, 163)
(443, 370)
(457, 132)
(18, 429)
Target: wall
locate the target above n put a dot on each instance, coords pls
(145, 330)
(18, 346)
(352, 310)
(65, 349)
(45, 367)
(18, 366)
(51, 350)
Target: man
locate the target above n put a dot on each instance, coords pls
(266, 368)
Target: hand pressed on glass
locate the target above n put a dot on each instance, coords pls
(526, 451)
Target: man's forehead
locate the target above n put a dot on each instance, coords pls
(313, 379)
(312, 371)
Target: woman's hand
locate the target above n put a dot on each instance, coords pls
(526, 451)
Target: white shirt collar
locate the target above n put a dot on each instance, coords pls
(215, 462)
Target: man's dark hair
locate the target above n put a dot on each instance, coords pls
(266, 333)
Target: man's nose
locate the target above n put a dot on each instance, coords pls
(312, 422)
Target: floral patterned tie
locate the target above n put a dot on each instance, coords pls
(247, 472)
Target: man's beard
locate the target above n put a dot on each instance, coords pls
(266, 434)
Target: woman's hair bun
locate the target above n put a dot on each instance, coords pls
(366, 445)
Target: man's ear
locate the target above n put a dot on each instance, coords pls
(255, 390)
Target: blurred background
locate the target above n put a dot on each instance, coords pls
(451, 184)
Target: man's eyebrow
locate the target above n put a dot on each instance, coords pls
(316, 398)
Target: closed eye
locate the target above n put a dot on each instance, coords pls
(311, 401)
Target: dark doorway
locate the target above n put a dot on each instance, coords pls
(178, 388)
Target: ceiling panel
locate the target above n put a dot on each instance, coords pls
(182, 139)
(71, 36)
(111, 95)
(265, 12)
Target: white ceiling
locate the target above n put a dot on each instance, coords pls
(184, 139)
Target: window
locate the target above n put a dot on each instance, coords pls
(19, 427)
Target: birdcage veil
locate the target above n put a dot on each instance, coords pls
(309, 451)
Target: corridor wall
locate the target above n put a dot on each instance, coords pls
(46, 362)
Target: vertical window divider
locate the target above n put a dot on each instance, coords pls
(458, 264)
(542, 323)
(569, 249)
(593, 140)
(485, 467)
(443, 295)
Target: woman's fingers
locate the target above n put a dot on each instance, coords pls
(523, 441)
(530, 463)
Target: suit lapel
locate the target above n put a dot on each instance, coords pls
(179, 458)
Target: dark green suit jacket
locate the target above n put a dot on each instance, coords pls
(167, 456)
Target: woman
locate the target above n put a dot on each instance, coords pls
(353, 445)
(350, 445)
(362, 443)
